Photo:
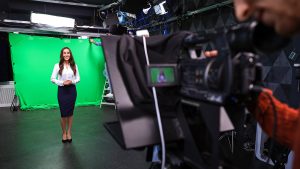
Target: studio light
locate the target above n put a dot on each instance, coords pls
(51, 20)
(145, 10)
(160, 8)
(125, 17)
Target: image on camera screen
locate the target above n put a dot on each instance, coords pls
(162, 75)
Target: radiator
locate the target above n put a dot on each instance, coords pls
(7, 92)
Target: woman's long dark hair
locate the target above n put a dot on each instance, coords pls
(71, 61)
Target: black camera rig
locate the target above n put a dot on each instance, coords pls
(235, 69)
(188, 85)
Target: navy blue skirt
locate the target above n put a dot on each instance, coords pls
(66, 100)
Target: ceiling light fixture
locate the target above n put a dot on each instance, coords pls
(51, 20)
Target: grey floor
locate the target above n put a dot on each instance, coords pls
(32, 140)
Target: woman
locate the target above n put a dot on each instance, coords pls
(65, 74)
(161, 77)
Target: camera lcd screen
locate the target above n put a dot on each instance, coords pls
(162, 75)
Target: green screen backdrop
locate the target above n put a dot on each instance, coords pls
(33, 60)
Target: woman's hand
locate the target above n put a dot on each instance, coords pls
(67, 82)
(268, 91)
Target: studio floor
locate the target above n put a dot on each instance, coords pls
(32, 140)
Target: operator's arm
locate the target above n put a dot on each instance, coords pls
(261, 107)
(287, 118)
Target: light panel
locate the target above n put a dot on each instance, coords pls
(51, 20)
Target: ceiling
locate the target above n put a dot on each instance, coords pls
(94, 2)
(21, 9)
(85, 12)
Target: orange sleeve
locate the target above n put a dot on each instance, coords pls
(287, 118)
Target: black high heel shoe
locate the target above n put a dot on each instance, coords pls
(64, 141)
(69, 140)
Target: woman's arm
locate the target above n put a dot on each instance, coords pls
(77, 77)
(54, 76)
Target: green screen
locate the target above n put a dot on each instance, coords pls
(162, 75)
(33, 60)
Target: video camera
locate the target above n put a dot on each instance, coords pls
(190, 87)
(234, 71)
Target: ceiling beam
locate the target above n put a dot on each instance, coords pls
(69, 3)
(114, 4)
(50, 32)
(188, 14)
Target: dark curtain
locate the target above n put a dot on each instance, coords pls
(5, 59)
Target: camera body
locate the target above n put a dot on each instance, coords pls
(211, 80)
(235, 69)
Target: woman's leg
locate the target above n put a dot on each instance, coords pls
(63, 123)
(70, 121)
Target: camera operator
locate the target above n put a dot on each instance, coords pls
(284, 16)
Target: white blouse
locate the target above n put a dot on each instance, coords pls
(67, 74)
